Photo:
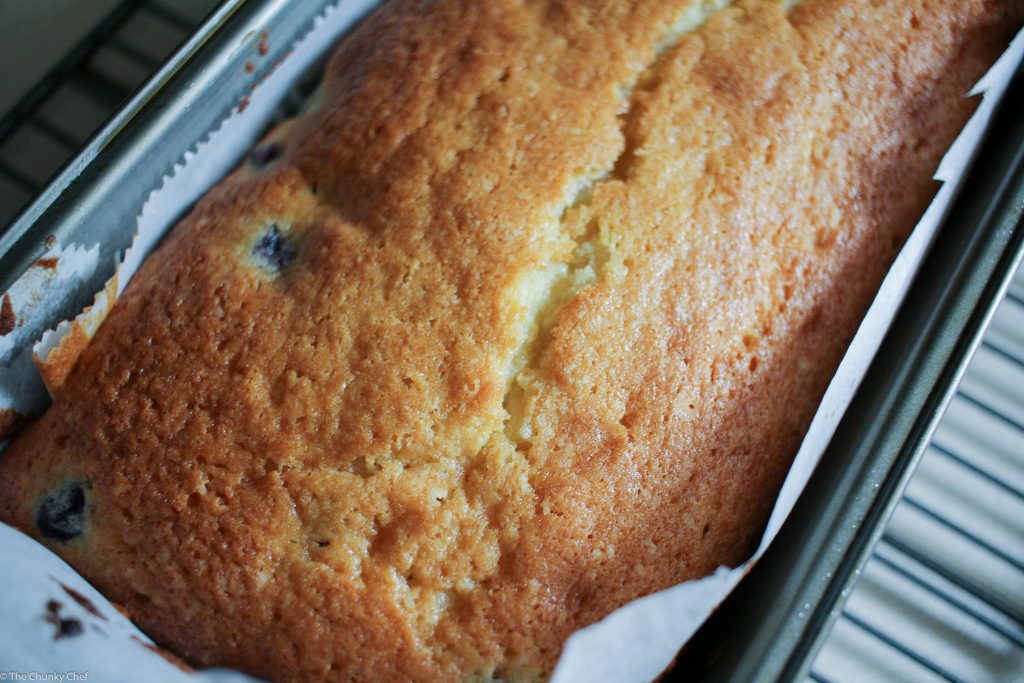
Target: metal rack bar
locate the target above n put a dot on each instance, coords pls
(818, 678)
(962, 581)
(956, 528)
(1003, 353)
(134, 53)
(974, 469)
(935, 590)
(169, 16)
(895, 644)
(99, 88)
(18, 178)
(998, 414)
(62, 137)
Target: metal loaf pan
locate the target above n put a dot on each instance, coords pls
(770, 627)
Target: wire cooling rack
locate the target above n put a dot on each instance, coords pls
(942, 597)
(57, 116)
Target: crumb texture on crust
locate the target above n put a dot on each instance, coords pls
(523, 319)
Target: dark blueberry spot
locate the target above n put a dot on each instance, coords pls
(265, 154)
(61, 514)
(273, 250)
(68, 628)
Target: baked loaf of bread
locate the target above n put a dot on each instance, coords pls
(526, 318)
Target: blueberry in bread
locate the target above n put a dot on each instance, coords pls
(526, 318)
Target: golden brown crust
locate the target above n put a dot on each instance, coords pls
(55, 364)
(58, 363)
(528, 321)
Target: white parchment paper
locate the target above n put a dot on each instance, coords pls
(40, 294)
(634, 643)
